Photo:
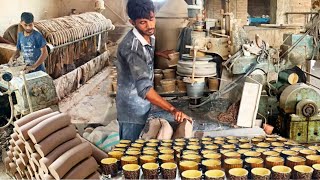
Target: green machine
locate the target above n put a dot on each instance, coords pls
(299, 117)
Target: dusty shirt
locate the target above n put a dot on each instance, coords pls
(135, 78)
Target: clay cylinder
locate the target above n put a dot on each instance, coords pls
(45, 162)
(17, 176)
(213, 84)
(48, 126)
(168, 85)
(28, 154)
(23, 130)
(114, 85)
(13, 168)
(47, 177)
(97, 153)
(32, 116)
(157, 79)
(30, 170)
(83, 169)
(20, 145)
(69, 159)
(95, 175)
(11, 142)
(10, 155)
(20, 165)
(54, 140)
(29, 146)
(16, 154)
(24, 158)
(7, 161)
(34, 167)
(35, 157)
(182, 87)
(14, 136)
(169, 73)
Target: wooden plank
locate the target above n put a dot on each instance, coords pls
(249, 104)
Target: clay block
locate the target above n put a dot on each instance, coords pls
(83, 169)
(69, 159)
(20, 145)
(97, 153)
(24, 158)
(48, 126)
(45, 162)
(54, 140)
(95, 176)
(32, 116)
(23, 130)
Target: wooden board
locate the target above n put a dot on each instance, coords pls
(249, 104)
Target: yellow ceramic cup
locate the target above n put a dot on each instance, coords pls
(147, 159)
(281, 172)
(150, 170)
(191, 175)
(238, 173)
(211, 164)
(169, 170)
(215, 175)
(115, 154)
(260, 173)
(128, 160)
(131, 171)
(303, 172)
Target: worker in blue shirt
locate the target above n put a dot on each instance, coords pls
(135, 73)
(31, 44)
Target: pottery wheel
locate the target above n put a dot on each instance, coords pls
(202, 68)
(187, 57)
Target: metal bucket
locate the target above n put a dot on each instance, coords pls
(195, 90)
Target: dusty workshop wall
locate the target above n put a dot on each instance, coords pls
(115, 9)
(258, 7)
(238, 7)
(273, 36)
(11, 11)
(278, 8)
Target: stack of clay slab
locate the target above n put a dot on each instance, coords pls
(45, 145)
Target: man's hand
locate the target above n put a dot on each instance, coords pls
(28, 69)
(180, 116)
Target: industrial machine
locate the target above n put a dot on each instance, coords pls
(33, 91)
(299, 117)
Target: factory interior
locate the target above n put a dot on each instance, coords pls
(160, 89)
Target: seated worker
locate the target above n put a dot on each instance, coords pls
(31, 44)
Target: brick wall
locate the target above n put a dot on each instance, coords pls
(280, 7)
(258, 7)
(238, 7)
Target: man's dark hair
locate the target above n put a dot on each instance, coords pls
(27, 17)
(139, 9)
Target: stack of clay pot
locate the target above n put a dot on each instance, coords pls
(45, 145)
(166, 79)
